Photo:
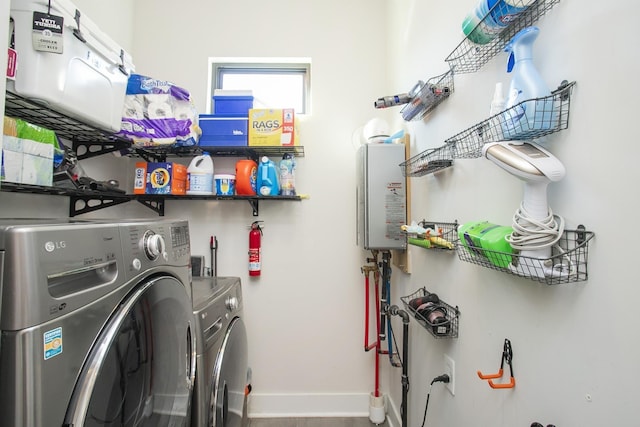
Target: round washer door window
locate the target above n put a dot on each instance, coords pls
(141, 368)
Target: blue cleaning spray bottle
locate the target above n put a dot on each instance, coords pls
(529, 113)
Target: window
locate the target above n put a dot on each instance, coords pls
(275, 83)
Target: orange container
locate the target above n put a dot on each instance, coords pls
(246, 176)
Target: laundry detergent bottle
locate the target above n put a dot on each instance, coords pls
(267, 178)
(200, 175)
(525, 113)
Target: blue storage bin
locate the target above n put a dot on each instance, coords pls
(223, 131)
(232, 105)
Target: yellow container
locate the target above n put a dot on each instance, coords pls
(272, 127)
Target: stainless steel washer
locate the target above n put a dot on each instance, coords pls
(222, 359)
(96, 321)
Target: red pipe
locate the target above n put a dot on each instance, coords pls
(367, 345)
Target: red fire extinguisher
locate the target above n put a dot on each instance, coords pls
(255, 251)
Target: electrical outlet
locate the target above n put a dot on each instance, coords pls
(450, 369)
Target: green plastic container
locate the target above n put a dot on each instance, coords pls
(487, 240)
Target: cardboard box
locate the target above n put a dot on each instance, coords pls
(272, 127)
(160, 178)
(223, 131)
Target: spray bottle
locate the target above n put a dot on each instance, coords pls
(287, 175)
(526, 85)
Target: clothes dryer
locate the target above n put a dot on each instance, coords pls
(222, 359)
(96, 323)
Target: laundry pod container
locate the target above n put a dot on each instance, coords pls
(225, 184)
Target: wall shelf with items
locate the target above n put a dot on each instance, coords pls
(427, 96)
(435, 315)
(469, 57)
(551, 115)
(567, 263)
(88, 141)
(433, 235)
(427, 162)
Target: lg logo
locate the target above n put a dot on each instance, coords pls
(52, 246)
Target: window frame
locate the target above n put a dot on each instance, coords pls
(217, 67)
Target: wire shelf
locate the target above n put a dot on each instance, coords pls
(567, 263)
(440, 319)
(545, 115)
(429, 161)
(469, 57)
(428, 96)
(443, 237)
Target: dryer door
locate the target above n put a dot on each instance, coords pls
(229, 378)
(141, 368)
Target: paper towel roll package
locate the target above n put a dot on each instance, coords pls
(157, 112)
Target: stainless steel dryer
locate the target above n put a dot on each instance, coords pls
(96, 323)
(222, 360)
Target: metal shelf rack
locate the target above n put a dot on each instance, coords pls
(88, 141)
(568, 261)
(429, 161)
(428, 96)
(553, 108)
(469, 57)
(446, 327)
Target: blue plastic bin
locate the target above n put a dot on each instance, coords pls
(220, 131)
(232, 105)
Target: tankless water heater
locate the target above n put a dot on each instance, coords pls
(381, 196)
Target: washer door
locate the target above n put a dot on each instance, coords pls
(141, 368)
(229, 378)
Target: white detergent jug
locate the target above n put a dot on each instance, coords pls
(200, 175)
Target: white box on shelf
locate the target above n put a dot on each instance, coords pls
(66, 61)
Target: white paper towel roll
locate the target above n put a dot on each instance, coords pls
(183, 112)
(159, 110)
(156, 97)
(133, 108)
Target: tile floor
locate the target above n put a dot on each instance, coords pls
(313, 422)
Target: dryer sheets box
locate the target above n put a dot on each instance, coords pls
(72, 66)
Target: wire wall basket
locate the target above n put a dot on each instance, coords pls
(429, 161)
(487, 39)
(426, 96)
(526, 120)
(567, 263)
(435, 315)
(439, 236)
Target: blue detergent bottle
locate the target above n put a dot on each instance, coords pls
(267, 183)
(528, 115)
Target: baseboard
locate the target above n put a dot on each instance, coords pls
(393, 415)
(308, 405)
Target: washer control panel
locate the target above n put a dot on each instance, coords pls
(148, 244)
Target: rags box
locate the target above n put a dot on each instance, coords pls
(272, 127)
(160, 178)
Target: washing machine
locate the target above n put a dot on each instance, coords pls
(219, 395)
(96, 322)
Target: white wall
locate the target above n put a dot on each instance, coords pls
(569, 341)
(304, 316)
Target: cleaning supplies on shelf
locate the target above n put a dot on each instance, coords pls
(267, 178)
(525, 111)
(200, 175)
(487, 240)
(246, 177)
(485, 22)
(287, 169)
(225, 184)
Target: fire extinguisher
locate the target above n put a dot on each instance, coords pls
(255, 251)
